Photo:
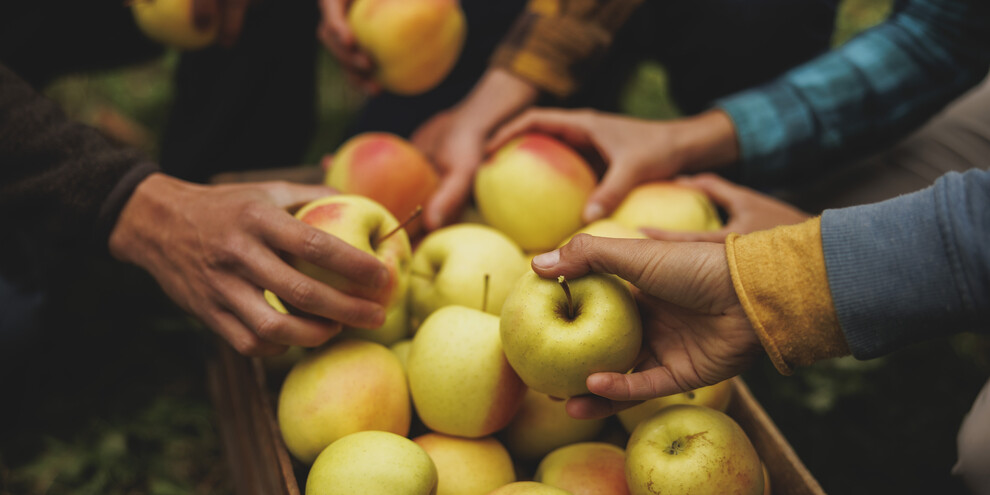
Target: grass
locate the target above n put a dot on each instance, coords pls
(117, 404)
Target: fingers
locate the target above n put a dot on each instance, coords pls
(641, 385)
(242, 339)
(335, 16)
(286, 195)
(592, 407)
(614, 187)
(721, 191)
(277, 328)
(205, 13)
(449, 198)
(685, 236)
(231, 21)
(559, 123)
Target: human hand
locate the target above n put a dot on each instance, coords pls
(338, 37)
(748, 210)
(635, 150)
(213, 249)
(228, 15)
(695, 332)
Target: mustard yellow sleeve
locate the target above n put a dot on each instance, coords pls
(555, 42)
(779, 276)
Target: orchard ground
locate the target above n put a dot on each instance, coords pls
(119, 404)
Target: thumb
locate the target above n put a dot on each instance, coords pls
(614, 187)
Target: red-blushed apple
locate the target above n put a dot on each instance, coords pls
(348, 386)
(170, 22)
(450, 265)
(414, 43)
(387, 169)
(714, 396)
(534, 189)
(372, 462)
(556, 333)
(468, 465)
(588, 468)
(696, 450)
(460, 381)
(542, 425)
(529, 488)
(667, 206)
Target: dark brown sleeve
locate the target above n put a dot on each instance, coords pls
(62, 184)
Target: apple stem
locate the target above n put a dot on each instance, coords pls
(413, 216)
(484, 294)
(567, 291)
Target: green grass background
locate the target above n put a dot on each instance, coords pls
(118, 407)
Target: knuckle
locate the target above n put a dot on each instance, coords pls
(271, 328)
(303, 294)
(314, 244)
(248, 345)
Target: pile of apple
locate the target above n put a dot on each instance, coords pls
(480, 350)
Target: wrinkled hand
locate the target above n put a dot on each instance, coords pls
(228, 15)
(695, 331)
(635, 150)
(748, 210)
(213, 249)
(336, 35)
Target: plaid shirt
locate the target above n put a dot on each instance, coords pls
(864, 94)
(555, 42)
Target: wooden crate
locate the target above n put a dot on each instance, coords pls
(260, 463)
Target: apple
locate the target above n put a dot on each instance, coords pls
(450, 264)
(468, 465)
(413, 43)
(542, 425)
(534, 189)
(556, 333)
(714, 396)
(588, 468)
(692, 449)
(766, 480)
(607, 227)
(171, 22)
(460, 381)
(529, 488)
(395, 328)
(372, 462)
(401, 350)
(667, 206)
(387, 169)
(348, 386)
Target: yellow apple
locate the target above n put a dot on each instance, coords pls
(171, 22)
(694, 450)
(542, 425)
(395, 328)
(401, 350)
(348, 386)
(607, 227)
(414, 43)
(467, 465)
(450, 264)
(588, 468)
(387, 169)
(529, 488)
(534, 189)
(667, 206)
(460, 381)
(372, 462)
(714, 396)
(554, 340)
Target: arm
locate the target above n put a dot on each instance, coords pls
(864, 94)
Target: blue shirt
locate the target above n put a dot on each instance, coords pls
(863, 95)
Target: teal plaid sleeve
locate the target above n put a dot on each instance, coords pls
(870, 91)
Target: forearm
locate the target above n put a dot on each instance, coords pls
(498, 96)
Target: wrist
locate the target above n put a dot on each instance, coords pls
(498, 96)
(149, 206)
(706, 141)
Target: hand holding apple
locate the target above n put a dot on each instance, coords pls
(693, 321)
(714, 396)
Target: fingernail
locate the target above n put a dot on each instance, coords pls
(547, 260)
(593, 212)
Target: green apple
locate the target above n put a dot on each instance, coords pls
(585, 468)
(395, 328)
(667, 206)
(414, 43)
(555, 337)
(529, 488)
(696, 450)
(401, 350)
(714, 396)
(387, 169)
(450, 264)
(542, 425)
(171, 22)
(468, 465)
(460, 381)
(348, 386)
(534, 189)
(372, 462)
